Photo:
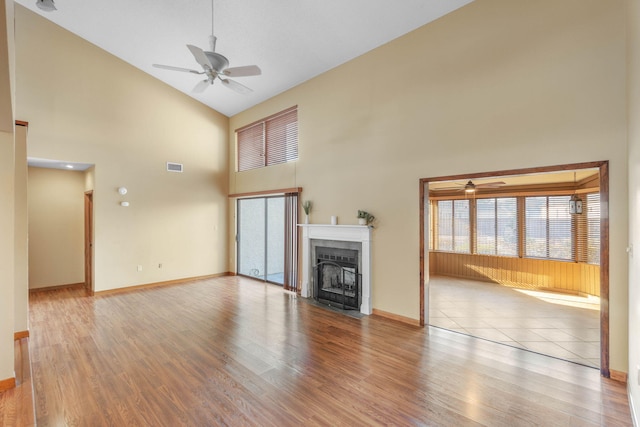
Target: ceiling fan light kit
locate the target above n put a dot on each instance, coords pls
(215, 65)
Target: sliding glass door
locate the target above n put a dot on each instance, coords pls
(261, 238)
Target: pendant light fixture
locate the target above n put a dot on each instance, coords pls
(575, 203)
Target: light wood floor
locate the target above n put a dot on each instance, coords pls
(232, 351)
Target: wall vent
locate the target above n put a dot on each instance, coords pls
(174, 167)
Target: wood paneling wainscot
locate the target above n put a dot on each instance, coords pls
(524, 273)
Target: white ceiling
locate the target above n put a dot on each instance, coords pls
(291, 40)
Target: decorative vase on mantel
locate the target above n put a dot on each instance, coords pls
(306, 219)
(362, 221)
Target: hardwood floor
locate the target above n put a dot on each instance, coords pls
(232, 351)
(16, 404)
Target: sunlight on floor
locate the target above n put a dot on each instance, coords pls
(589, 302)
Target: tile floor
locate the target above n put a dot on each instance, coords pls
(559, 325)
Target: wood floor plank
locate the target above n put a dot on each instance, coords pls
(232, 351)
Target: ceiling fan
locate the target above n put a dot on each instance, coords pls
(215, 66)
(46, 5)
(470, 187)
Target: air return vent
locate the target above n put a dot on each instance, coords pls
(174, 167)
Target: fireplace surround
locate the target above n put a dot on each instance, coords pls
(340, 238)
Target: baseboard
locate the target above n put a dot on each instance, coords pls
(396, 317)
(158, 284)
(632, 408)
(7, 384)
(20, 334)
(53, 288)
(618, 376)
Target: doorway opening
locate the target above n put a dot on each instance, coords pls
(538, 234)
(88, 241)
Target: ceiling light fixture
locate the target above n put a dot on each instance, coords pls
(575, 203)
(46, 5)
(470, 187)
(68, 166)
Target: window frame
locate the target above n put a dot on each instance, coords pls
(579, 233)
(270, 141)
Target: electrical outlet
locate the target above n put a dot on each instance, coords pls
(139, 268)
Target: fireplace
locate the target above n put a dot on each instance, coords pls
(345, 278)
(336, 277)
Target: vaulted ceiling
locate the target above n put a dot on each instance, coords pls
(290, 40)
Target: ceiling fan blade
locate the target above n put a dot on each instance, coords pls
(446, 188)
(172, 68)
(200, 86)
(200, 57)
(495, 184)
(245, 71)
(233, 85)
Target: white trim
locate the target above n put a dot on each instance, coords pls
(345, 233)
(632, 408)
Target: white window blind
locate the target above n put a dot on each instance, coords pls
(270, 141)
(593, 228)
(453, 226)
(548, 227)
(497, 226)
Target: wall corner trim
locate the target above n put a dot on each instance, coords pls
(20, 334)
(7, 384)
(618, 376)
(396, 317)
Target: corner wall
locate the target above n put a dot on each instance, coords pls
(633, 114)
(95, 108)
(21, 233)
(56, 227)
(7, 195)
(495, 85)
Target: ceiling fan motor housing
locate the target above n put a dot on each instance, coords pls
(218, 62)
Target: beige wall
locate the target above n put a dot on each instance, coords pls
(633, 82)
(7, 192)
(56, 227)
(21, 263)
(94, 108)
(7, 255)
(495, 85)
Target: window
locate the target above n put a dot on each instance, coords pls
(593, 228)
(453, 226)
(268, 142)
(548, 227)
(529, 227)
(497, 226)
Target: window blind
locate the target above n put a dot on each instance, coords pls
(593, 228)
(453, 226)
(497, 226)
(548, 227)
(270, 141)
(251, 147)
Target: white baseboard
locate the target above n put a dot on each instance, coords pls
(632, 408)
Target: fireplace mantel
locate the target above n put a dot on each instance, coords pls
(344, 233)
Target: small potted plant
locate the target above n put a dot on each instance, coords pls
(306, 205)
(365, 218)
